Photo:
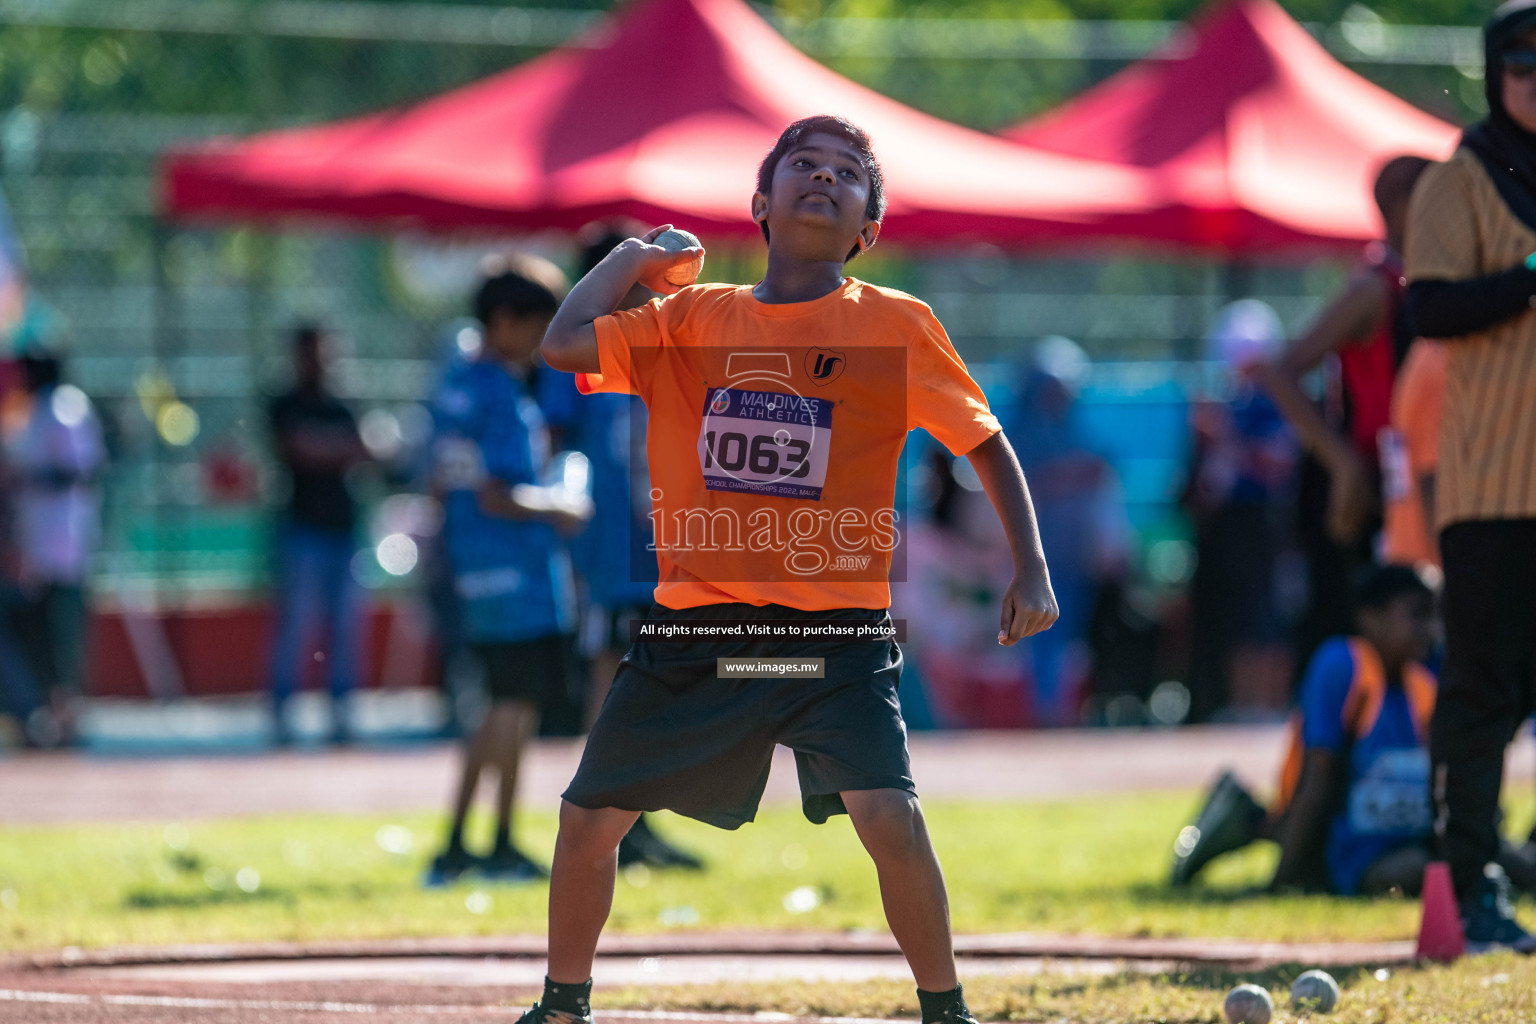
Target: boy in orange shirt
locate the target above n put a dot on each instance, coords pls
(778, 413)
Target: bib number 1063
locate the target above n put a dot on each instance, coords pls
(761, 454)
(765, 442)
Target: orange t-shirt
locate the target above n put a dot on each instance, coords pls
(1410, 449)
(775, 432)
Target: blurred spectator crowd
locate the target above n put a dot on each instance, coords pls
(520, 516)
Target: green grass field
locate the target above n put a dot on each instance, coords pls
(1089, 866)
(1093, 866)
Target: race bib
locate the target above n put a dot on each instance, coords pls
(1393, 795)
(765, 442)
(1396, 471)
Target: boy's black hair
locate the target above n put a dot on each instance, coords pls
(523, 285)
(1379, 585)
(827, 124)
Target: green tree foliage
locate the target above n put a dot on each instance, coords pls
(288, 79)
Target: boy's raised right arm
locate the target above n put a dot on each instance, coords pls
(570, 341)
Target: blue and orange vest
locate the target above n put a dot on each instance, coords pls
(1362, 706)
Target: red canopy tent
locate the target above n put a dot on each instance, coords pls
(1266, 141)
(662, 112)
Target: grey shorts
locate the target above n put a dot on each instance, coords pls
(672, 736)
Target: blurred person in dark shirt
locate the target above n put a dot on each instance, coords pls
(317, 441)
(20, 694)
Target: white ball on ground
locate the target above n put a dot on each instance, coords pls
(676, 240)
(1248, 1004)
(1315, 992)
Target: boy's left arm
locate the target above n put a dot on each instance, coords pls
(1304, 827)
(1029, 606)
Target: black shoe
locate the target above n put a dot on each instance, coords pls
(1230, 820)
(1488, 917)
(509, 864)
(642, 846)
(958, 1014)
(447, 867)
(1519, 863)
(542, 1015)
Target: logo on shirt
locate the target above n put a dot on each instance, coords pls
(721, 402)
(824, 366)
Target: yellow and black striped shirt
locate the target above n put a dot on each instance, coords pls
(1459, 228)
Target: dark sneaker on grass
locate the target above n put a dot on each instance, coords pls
(447, 868)
(1519, 862)
(640, 845)
(1230, 820)
(545, 1015)
(1488, 917)
(510, 865)
(954, 1015)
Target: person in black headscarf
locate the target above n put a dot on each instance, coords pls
(1471, 268)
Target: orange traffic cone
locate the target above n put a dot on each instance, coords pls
(1440, 935)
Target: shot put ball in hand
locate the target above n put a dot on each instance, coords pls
(1248, 1004)
(676, 240)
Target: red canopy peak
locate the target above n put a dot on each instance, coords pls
(1253, 124)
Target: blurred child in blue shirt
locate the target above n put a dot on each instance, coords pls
(511, 573)
(1352, 811)
(1365, 707)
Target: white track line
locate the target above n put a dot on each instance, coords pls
(42, 997)
(198, 1003)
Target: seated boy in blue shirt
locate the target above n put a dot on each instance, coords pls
(1352, 815)
(1366, 703)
